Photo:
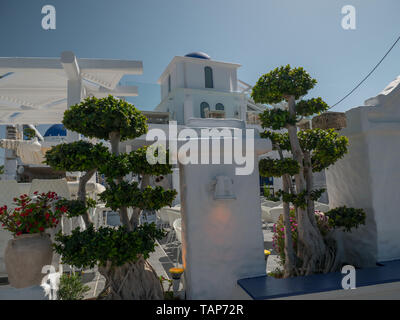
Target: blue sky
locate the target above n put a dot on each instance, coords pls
(259, 34)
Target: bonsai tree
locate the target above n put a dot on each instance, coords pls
(120, 253)
(309, 151)
(78, 156)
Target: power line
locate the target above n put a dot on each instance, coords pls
(367, 76)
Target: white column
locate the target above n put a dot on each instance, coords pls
(243, 110)
(222, 238)
(74, 85)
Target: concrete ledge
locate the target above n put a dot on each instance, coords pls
(381, 282)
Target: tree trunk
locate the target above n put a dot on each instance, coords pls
(82, 193)
(123, 211)
(290, 257)
(310, 246)
(132, 281)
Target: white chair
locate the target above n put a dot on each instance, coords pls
(162, 214)
(9, 190)
(270, 204)
(178, 231)
(172, 216)
(275, 213)
(265, 215)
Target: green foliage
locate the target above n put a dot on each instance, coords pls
(312, 106)
(281, 82)
(29, 133)
(1, 169)
(270, 195)
(327, 146)
(85, 249)
(97, 118)
(276, 168)
(300, 199)
(280, 140)
(71, 287)
(127, 194)
(76, 156)
(346, 218)
(276, 119)
(135, 161)
(75, 208)
(140, 164)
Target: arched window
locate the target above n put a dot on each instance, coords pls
(219, 106)
(203, 108)
(208, 76)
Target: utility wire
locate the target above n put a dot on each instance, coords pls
(367, 76)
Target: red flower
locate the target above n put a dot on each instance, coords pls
(36, 192)
(41, 229)
(18, 233)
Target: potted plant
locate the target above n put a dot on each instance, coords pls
(30, 249)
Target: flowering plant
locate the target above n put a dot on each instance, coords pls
(278, 238)
(32, 215)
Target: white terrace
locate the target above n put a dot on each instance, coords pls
(38, 90)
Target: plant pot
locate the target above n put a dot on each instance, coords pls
(25, 257)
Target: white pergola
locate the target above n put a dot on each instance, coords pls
(39, 90)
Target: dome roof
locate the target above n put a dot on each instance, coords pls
(56, 130)
(198, 55)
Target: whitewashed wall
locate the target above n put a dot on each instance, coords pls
(368, 177)
(222, 240)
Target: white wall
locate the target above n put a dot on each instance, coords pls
(222, 239)
(368, 177)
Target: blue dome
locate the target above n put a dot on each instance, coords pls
(198, 55)
(56, 130)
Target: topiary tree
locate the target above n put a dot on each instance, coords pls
(120, 253)
(311, 151)
(78, 156)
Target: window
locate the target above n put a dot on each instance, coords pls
(203, 108)
(208, 76)
(219, 106)
(169, 83)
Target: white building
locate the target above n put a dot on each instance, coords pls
(195, 86)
